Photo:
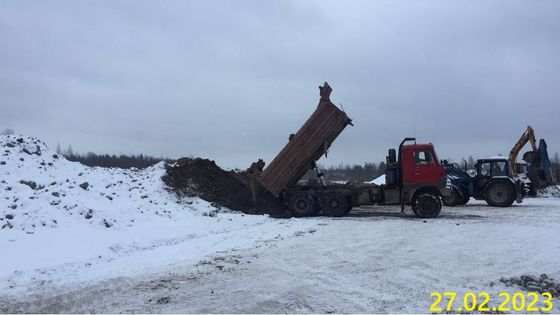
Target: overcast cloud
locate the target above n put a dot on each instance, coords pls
(230, 80)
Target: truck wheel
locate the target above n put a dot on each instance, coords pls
(452, 200)
(500, 194)
(302, 204)
(426, 205)
(335, 205)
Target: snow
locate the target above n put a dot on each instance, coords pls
(379, 180)
(377, 260)
(342, 182)
(124, 223)
(163, 255)
(549, 192)
(116, 197)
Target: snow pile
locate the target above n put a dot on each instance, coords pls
(63, 224)
(42, 190)
(549, 192)
(379, 180)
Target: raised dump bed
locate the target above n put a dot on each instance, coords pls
(306, 146)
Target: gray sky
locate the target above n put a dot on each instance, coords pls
(230, 80)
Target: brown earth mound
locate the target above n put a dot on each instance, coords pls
(203, 178)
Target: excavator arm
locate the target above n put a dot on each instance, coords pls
(527, 136)
(539, 171)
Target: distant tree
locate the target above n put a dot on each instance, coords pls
(121, 161)
(346, 172)
(556, 166)
(7, 132)
(382, 167)
(69, 151)
(58, 149)
(470, 162)
(370, 168)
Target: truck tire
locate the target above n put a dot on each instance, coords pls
(426, 205)
(302, 204)
(453, 199)
(335, 205)
(499, 194)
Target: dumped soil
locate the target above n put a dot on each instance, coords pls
(203, 178)
(542, 283)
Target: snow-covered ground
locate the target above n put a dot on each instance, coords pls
(58, 232)
(158, 255)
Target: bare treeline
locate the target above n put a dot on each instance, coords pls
(120, 161)
(344, 172)
(341, 172)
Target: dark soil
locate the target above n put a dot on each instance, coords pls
(29, 183)
(203, 178)
(542, 283)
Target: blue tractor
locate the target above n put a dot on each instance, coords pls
(491, 181)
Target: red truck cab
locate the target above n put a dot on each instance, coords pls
(419, 165)
(416, 178)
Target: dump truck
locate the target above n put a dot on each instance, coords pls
(414, 175)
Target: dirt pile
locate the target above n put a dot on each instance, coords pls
(540, 284)
(203, 178)
(549, 192)
(41, 190)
